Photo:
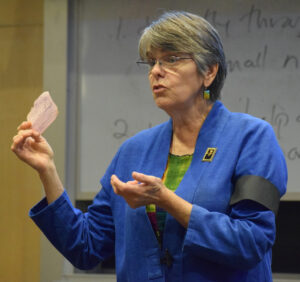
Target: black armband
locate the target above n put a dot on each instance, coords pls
(258, 189)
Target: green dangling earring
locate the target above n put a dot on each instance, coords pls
(206, 94)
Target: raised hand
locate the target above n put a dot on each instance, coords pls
(32, 148)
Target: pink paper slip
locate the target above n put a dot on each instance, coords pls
(43, 112)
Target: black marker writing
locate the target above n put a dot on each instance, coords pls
(291, 60)
(256, 20)
(123, 126)
(293, 154)
(211, 16)
(259, 62)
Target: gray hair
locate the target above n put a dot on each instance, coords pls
(188, 33)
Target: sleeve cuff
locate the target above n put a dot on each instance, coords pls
(193, 224)
(42, 206)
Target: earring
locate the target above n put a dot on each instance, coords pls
(206, 94)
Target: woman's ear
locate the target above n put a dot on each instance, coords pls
(210, 75)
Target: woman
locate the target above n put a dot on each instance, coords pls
(227, 169)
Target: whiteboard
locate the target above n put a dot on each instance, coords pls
(262, 46)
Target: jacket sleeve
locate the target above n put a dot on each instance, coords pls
(83, 238)
(241, 238)
(246, 233)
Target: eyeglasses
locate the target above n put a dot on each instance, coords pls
(168, 61)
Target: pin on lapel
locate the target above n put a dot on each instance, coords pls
(209, 154)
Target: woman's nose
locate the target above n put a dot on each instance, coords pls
(157, 69)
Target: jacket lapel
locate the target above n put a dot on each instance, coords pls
(208, 137)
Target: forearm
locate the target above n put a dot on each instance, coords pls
(179, 208)
(51, 183)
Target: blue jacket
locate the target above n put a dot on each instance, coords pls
(223, 242)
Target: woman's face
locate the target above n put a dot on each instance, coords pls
(176, 86)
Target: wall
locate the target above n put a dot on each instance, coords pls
(54, 78)
(21, 80)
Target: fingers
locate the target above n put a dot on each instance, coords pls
(143, 190)
(114, 179)
(23, 135)
(115, 183)
(143, 178)
(133, 182)
(24, 131)
(25, 125)
(139, 178)
(119, 186)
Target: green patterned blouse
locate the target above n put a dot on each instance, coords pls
(175, 171)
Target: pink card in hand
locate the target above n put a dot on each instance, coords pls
(43, 112)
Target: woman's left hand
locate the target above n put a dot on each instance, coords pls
(147, 189)
(143, 190)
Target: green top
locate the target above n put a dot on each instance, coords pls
(176, 169)
(174, 173)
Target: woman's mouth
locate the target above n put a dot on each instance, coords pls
(158, 88)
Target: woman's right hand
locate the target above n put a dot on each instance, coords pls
(32, 148)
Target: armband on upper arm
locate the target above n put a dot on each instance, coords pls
(258, 189)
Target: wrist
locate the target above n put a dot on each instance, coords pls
(179, 208)
(163, 197)
(51, 182)
(47, 171)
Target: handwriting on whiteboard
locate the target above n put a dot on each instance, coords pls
(278, 118)
(253, 20)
